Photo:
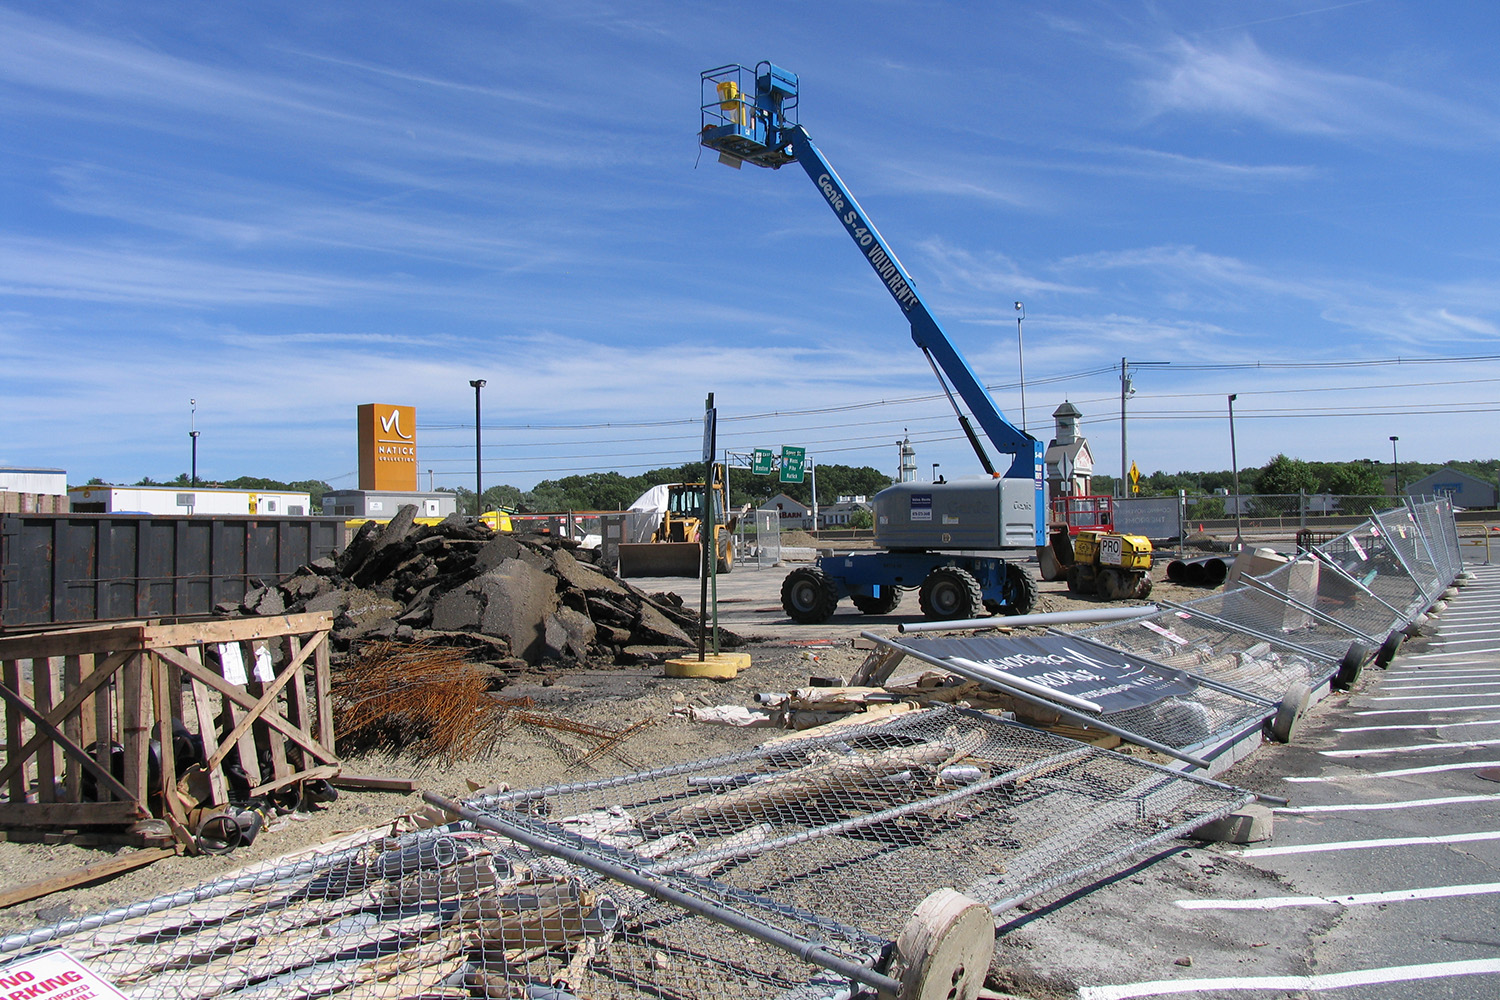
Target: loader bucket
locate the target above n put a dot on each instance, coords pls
(1055, 557)
(660, 559)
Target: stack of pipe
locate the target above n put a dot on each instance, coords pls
(1207, 572)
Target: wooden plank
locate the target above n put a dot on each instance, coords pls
(133, 727)
(296, 706)
(71, 702)
(240, 738)
(235, 629)
(276, 746)
(15, 764)
(71, 642)
(239, 697)
(203, 707)
(46, 755)
(323, 681)
(65, 814)
(73, 725)
(311, 774)
(161, 689)
(83, 876)
(101, 774)
(105, 714)
(374, 783)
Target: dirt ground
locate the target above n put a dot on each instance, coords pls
(784, 655)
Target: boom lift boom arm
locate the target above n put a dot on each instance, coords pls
(762, 130)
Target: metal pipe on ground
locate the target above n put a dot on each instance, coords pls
(1042, 618)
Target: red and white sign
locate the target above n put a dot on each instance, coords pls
(53, 976)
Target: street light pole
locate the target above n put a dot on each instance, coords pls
(1021, 355)
(1395, 467)
(194, 435)
(1234, 464)
(934, 470)
(478, 384)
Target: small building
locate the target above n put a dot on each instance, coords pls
(383, 505)
(838, 515)
(795, 515)
(1460, 487)
(1069, 461)
(178, 500)
(33, 491)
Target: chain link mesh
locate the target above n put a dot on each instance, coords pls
(831, 841)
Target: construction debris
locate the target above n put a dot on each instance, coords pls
(514, 602)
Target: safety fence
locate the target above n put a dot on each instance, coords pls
(1315, 619)
(794, 869)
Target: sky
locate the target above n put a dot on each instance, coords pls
(283, 210)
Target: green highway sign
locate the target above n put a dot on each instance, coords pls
(793, 463)
(763, 462)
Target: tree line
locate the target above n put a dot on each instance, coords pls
(1285, 475)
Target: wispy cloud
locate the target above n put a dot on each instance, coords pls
(1239, 80)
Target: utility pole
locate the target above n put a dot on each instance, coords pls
(1127, 389)
(478, 384)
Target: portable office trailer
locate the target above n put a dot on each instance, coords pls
(187, 500)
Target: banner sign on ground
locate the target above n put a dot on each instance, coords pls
(1110, 678)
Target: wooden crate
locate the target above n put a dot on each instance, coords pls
(124, 684)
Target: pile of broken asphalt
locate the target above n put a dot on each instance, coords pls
(521, 603)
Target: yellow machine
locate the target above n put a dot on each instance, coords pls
(495, 520)
(1116, 567)
(675, 545)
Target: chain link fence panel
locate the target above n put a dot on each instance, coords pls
(772, 872)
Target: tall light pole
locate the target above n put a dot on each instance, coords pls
(1021, 355)
(1395, 467)
(478, 384)
(1234, 464)
(1126, 391)
(193, 434)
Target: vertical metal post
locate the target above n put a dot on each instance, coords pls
(1395, 469)
(194, 435)
(1021, 356)
(1234, 462)
(478, 384)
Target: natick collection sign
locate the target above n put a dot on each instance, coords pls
(388, 447)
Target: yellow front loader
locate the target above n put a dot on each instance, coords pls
(675, 548)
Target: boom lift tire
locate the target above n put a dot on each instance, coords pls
(1021, 591)
(808, 596)
(882, 605)
(950, 594)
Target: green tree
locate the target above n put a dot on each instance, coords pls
(1286, 475)
(861, 519)
(1353, 479)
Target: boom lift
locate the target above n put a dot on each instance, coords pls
(930, 532)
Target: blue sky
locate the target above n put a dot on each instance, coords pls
(284, 210)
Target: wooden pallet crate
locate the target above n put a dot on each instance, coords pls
(91, 714)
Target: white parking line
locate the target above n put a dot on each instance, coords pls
(1423, 725)
(1364, 845)
(1314, 983)
(1472, 765)
(1353, 899)
(1438, 683)
(1432, 697)
(1429, 711)
(1406, 673)
(1379, 806)
(1411, 748)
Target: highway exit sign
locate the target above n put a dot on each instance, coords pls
(793, 464)
(763, 462)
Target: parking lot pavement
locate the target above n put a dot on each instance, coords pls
(1383, 876)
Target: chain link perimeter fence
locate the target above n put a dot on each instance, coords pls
(785, 871)
(1316, 618)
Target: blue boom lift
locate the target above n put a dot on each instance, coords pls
(934, 536)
